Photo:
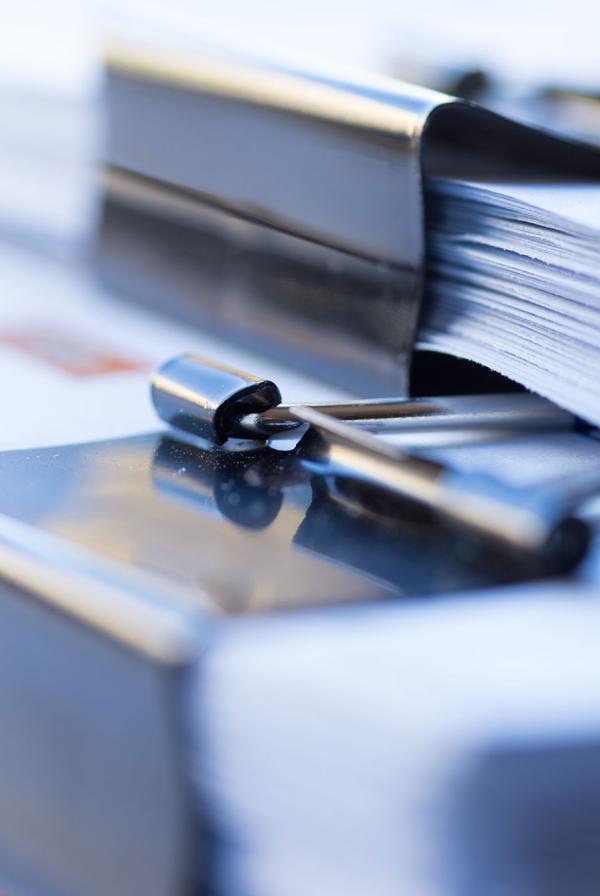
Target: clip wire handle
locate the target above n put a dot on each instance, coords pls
(526, 521)
(217, 402)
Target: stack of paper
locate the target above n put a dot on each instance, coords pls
(514, 283)
(442, 749)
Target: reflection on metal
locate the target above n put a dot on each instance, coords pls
(217, 522)
(254, 528)
(245, 487)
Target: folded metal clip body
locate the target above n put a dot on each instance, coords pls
(285, 207)
(91, 770)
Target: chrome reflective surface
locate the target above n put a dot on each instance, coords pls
(251, 528)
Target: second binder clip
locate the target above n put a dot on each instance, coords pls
(535, 526)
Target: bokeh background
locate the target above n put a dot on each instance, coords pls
(54, 44)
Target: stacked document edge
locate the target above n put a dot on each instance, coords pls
(514, 284)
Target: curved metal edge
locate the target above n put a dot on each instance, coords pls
(128, 607)
(92, 755)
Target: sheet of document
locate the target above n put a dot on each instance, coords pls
(577, 203)
(513, 284)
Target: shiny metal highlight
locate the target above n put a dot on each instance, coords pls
(206, 399)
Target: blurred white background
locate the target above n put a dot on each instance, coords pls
(54, 43)
(51, 50)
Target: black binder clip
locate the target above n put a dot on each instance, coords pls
(215, 403)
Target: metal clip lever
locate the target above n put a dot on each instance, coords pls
(217, 402)
(524, 520)
(208, 399)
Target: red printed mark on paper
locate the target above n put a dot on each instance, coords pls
(69, 352)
